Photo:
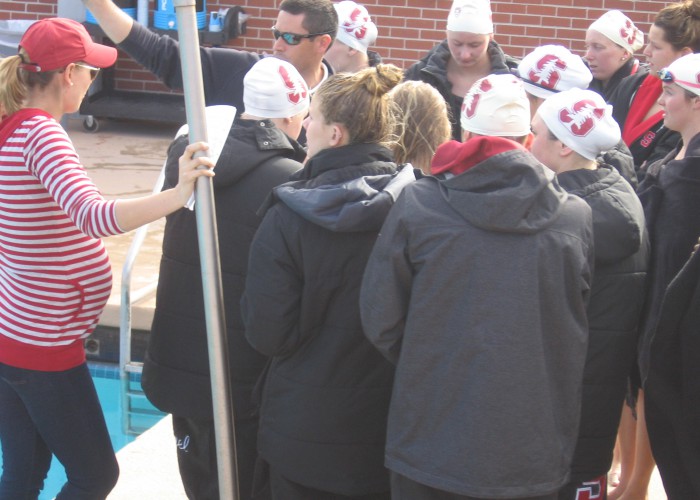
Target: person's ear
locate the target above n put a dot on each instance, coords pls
(324, 42)
(67, 75)
(565, 150)
(686, 50)
(695, 102)
(339, 136)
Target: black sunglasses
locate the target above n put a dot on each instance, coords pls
(667, 77)
(294, 38)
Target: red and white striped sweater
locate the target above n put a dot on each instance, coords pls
(55, 275)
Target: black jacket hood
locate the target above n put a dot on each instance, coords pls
(618, 221)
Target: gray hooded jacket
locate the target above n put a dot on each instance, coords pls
(477, 289)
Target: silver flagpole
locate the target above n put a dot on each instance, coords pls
(209, 256)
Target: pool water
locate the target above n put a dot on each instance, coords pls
(108, 385)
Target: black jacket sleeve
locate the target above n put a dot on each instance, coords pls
(270, 304)
(223, 69)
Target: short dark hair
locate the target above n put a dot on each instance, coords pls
(319, 15)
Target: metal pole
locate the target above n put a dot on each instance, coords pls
(209, 256)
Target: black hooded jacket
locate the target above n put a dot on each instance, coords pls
(256, 157)
(672, 389)
(670, 194)
(617, 295)
(326, 395)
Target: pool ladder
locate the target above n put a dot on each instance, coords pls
(137, 413)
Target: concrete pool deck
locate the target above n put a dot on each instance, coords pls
(148, 467)
(124, 158)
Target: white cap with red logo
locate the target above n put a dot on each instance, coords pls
(471, 16)
(496, 105)
(273, 88)
(552, 68)
(619, 29)
(684, 72)
(582, 120)
(355, 27)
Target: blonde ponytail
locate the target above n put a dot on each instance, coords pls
(360, 102)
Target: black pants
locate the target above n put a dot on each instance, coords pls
(284, 489)
(403, 488)
(45, 413)
(196, 457)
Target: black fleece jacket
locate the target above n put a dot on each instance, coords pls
(432, 69)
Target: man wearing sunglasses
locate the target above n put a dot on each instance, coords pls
(303, 31)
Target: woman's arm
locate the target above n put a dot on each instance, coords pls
(114, 22)
(135, 212)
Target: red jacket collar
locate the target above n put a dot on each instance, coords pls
(457, 157)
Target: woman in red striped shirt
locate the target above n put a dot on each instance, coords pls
(55, 276)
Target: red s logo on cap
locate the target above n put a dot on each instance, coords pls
(469, 107)
(358, 24)
(545, 73)
(357, 27)
(628, 32)
(298, 89)
(582, 117)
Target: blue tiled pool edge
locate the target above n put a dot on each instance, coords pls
(109, 370)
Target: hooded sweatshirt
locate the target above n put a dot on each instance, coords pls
(477, 290)
(325, 399)
(617, 296)
(55, 275)
(670, 196)
(256, 157)
(669, 348)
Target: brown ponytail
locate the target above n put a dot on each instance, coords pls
(681, 24)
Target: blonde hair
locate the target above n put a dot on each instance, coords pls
(422, 123)
(16, 82)
(681, 24)
(359, 102)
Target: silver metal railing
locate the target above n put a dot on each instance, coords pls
(126, 365)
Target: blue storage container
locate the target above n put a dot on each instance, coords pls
(164, 16)
(128, 6)
(89, 18)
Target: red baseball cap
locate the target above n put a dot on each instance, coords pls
(55, 42)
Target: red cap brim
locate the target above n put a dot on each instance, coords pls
(100, 56)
